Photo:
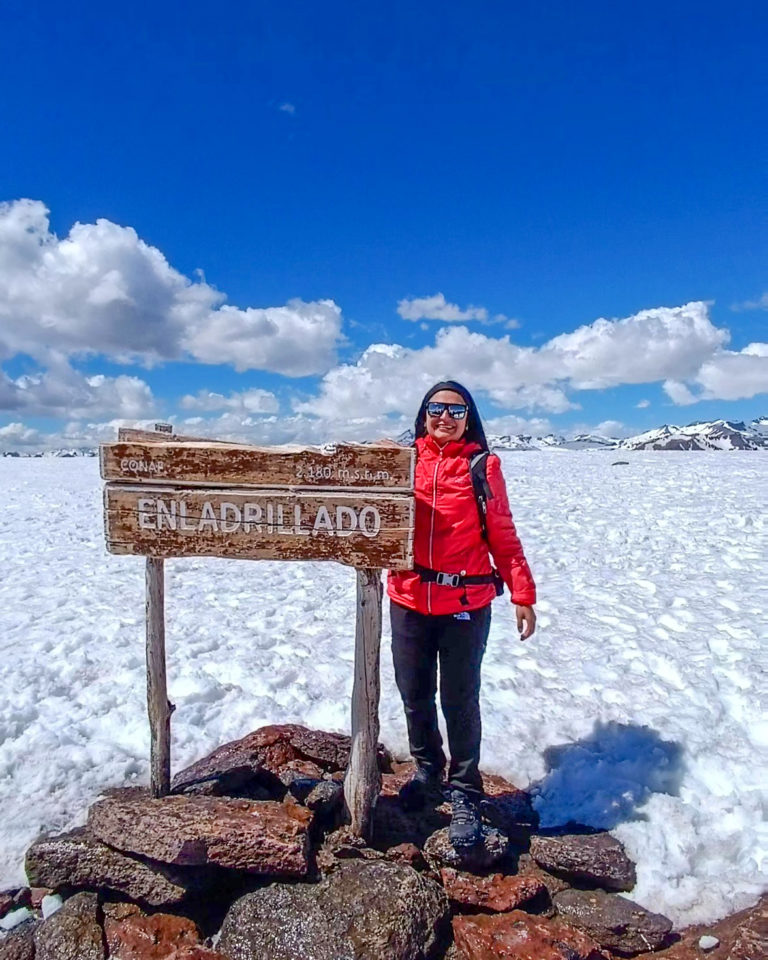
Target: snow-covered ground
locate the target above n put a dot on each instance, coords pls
(639, 704)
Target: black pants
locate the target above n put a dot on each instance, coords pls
(457, 642)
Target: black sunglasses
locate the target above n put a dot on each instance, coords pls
(456, 410)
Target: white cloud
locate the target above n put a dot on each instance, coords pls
(246, 402)
(760, 304)
(61, 391)
(643, 404)
(678, 393)
(14, 435)
(288, 108)
(437, 308)
(609, 428)
(102, 290)
(654, 345)
(727, 375)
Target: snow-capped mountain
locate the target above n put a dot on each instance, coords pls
(714, 435)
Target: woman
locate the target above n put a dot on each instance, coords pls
(441, 610)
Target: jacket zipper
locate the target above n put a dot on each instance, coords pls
(432, 529)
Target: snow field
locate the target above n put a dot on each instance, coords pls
(639, 704)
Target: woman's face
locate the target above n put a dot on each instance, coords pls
(445, 427)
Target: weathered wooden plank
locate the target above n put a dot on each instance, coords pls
(362, 782)
(345, 466)
(358, 529)
(135, 435)
(158, 707)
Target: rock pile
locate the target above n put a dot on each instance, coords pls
(248, 858)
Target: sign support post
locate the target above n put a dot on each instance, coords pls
(157, 693)
(363, 780)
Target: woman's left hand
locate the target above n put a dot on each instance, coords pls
(526, 620)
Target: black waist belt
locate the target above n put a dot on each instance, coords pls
(453, 579)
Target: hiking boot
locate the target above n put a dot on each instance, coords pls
(423, 786)
(465, 829)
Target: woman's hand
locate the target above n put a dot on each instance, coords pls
(526, 620)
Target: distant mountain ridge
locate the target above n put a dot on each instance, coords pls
(700, 435)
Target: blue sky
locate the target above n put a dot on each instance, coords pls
(261, 188)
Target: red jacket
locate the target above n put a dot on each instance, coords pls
(448, 536)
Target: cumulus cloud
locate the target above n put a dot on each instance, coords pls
(245, 402)
(438, 308)
(650, 346)
(643, 404)
(103, 290)
(63, 392)
(727, 375)
(14, 435)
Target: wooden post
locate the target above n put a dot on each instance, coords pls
(157, 694)
(363, 780)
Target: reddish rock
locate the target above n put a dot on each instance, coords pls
(596, 858)
(155, 937)
(73, 932)
(36, 895)
(408, 854)
(496, 892)
(527, 867)
(742, 936)
(520, 936)
(6, 902)
(269, 750)
(257, 836)
(80, 861)
(615, 922)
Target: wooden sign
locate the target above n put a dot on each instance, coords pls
(170, 496)
(358, 529)
(342, 467)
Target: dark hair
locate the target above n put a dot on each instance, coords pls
(474, 431)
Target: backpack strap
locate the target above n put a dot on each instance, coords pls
(478, 467)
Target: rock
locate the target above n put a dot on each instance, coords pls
(340, 845)
(616, 923)
(6, 902)
(520, 936)
(263, 755)
(596, 858)
(507, 808)
(439, 852)
(196, 953)
(363, 911)
(496, 892)
(257, 836)
(19, 944)
(299, 788)
(407, 854)
(37, 895)
(326, 798)
(155, 937)
(527, 867)
(78, 860)
(72, 933)
(387, 911)
(751, 940)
